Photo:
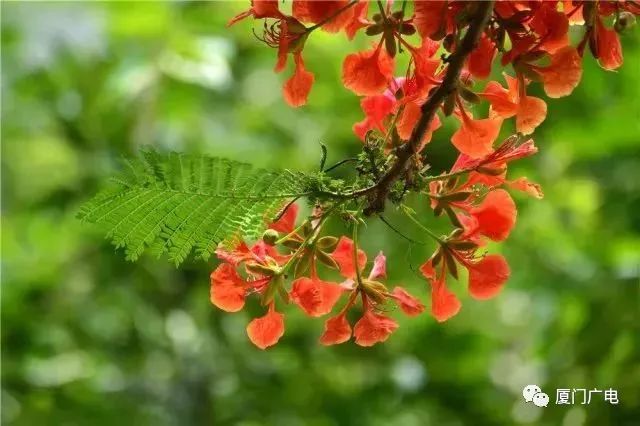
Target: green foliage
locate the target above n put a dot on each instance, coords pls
(176, 203)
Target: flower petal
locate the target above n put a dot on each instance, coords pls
(475, 137)
(531, 113)
(379, 269)
(409, 304)
(496, 215)
(287, 221)
(336, 330)
(267, 330)
(373, 328)
(343, 255)
(314, 296)
(367, 73)
(297, 88)
(444, 303)
(488, 276)
(564, 73)
(228, 289)
(608, 46)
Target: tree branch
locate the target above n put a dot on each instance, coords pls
(380, 191)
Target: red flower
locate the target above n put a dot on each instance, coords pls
(287, 222)
(529, 188)
(267, 330)
(529, 111)
(409, 304)
(563, 74)
(367, 73)
(259, 9)
(336, 330)
(481, 58)
(358, 20)
(444, 304)
(318, 11)
(373, 328)
(488, 276)
(410, 116)
(314, 296)
(475, 137)
(296, 89)
(376, 109)
(228, 289)
(343, 255)
(551, 26)
(430, 17)
(608, 49)
(495, 216)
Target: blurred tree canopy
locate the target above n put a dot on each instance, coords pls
(88, 338)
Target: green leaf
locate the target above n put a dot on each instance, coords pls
(177, 203)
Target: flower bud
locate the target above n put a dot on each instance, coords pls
(257, 268)
(625, 21)
(270, 237)
(374, 290)
(327, 243)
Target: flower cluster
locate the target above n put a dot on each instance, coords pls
(262, 269)
(452, 48)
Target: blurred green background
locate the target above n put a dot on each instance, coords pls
(90, 339)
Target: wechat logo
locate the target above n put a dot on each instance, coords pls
(533, 393)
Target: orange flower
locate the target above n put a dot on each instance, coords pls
(228, 289)
(529, 188)
(444, 303)
(429, 17)
(343, 255)
(373, 328)
(529, 111)
(376, 109)
(551, 26)
(609, 51)
(563, 74)
(267, 330)
(496, 215)
(408, 120)
(259, 9)
(481, 58)
(488, 276)
(317, 11)
(367, 73)
(358, 20)
(475, 137)
(287, 222)
(336, 330)
(297, 87)
(314, 296)
(409, 304)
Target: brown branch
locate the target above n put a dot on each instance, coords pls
(380, 191)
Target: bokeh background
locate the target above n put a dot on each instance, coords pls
(90, 339)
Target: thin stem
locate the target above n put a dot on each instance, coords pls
(338, 12)
(424, 228)
(397, 231)
(355, 253)
(340, 163)
(382, 11)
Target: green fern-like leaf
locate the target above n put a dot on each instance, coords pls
(179, 203)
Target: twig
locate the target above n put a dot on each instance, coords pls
(381, 189)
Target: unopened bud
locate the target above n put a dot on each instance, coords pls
(375, 290)
(327, 243)
(270, 237)
(625, 21)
